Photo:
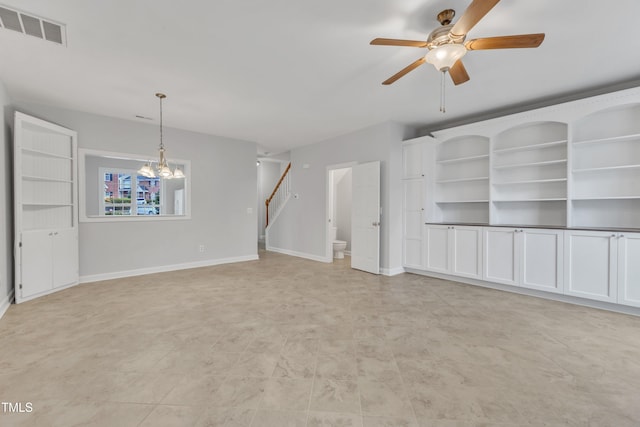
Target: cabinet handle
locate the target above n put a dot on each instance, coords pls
(613, 235)
(622, 235)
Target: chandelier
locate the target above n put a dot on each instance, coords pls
(162, 168)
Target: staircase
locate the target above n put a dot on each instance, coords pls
(278, 198)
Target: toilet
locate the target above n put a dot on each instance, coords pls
(338, 245)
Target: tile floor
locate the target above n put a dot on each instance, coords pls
(286, 342)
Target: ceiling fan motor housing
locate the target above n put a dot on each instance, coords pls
(441, 36)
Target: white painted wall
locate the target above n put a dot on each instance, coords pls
(301, 227)
(6, 200)
(223, 187)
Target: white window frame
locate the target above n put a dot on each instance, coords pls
(103, 171)
(84, 181)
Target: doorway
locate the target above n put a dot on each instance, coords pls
(339, 196)
(269, 172)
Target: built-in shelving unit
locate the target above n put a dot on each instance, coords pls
(529, 175)
(45, 207)
(462, 180)
(606, 169)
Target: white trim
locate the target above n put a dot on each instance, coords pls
(391, 271)
(349, 253)
(300, 254)
(165, 268)
(4, 306)
(532, 292)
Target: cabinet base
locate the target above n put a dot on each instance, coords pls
(618, 308)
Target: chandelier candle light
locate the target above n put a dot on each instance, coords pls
(163, 166)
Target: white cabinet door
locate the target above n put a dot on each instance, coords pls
(413, 160)
(466, 258)
(413, 208)
(436, 244)
(590, 265)
(541, 259)
(629, 269)
(35, 274)
(65, 257)
(500, 256)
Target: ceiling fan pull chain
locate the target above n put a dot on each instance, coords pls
(442, 95)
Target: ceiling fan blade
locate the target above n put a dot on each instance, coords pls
(474, 13)
(506, 42)
(404, 71)
(458, 73)
(398, 42)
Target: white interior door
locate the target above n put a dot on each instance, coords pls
(365, 217)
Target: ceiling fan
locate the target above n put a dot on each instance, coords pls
(447, 44)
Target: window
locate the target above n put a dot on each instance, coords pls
(118, 200)
(119, 192)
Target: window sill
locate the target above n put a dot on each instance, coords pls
(132, 218)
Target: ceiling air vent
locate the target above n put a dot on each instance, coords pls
(26, 23)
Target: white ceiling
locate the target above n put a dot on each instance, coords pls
(286, 73)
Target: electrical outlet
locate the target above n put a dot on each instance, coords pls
(201, 248)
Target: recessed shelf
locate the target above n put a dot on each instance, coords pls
(531, 181)
(449, 181)
(520, 165)
(611, 139)
(606, 168)
(44, 179)
(46, 153)
(463, 159)
(48, 204)
(548, 199)
(606, 198)
(462, 201)
(530, 147)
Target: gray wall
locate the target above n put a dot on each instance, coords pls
(301, 227)
(6, 199)
(223, 187)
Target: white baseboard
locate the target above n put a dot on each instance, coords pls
(299, 254)
(165, 268)
(391, 271)
(347, 253)
(6, 302)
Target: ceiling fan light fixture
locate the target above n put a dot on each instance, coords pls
(444, 56)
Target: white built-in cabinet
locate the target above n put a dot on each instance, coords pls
(415, 159)
(453, 250)
(605, 168)
(527, 257)
(45, 207)
(547, 200)
(603, 266)
(461, 191)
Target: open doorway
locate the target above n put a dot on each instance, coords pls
(269, 172)
(339, 196)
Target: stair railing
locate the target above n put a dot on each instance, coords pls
(279, 195)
